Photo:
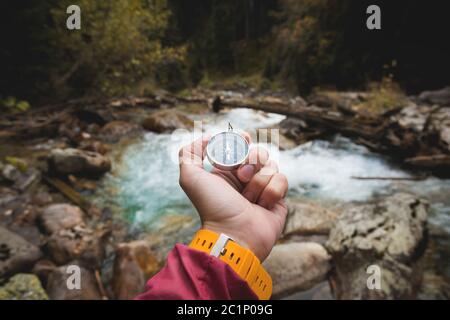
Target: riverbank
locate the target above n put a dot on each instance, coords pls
(84, 185)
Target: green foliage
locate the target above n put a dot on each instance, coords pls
(383, 96)
(11, 104)
(119, 44)
(306, 41)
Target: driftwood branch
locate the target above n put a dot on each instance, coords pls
(392, 178)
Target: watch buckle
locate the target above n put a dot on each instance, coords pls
(219, 247)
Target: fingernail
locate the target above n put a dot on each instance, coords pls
(248, 195)
(247, 172)
(262, 203)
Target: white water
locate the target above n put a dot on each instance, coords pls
(144, 185)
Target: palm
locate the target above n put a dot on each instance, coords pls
(218, 198)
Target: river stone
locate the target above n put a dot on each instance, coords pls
(75, 161)
(390, 234)
(117, 129)
(441, 97)
(16, 254)
(23, 287)
(296, 267)
(308, 219)
(76, 243)
(167, 120)
(61, 216)
(58, 289)
(133, 266)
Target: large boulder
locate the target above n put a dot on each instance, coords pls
(16, 253)
(69, 237)
(61, 216)
(296, 267)
(308, 219)
(76, 243)
(133, 266)
(388, 236)
(167, 120)
(75, 161)
(57, 284)
(23, 287)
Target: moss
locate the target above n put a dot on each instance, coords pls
(18, 163)
(23, 287)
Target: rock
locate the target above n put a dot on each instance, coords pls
(9, 172)
(133, 266)
(42, 198)
(20, 180)
(296, 267)
(76, 243)
(74, 161)
(58, 289)
(441, 97)
(16, 254)
(321, 291)
(440, 124)
(94, 146)
(23, 287)
(336, 99)
(413, 116)
(167, 120)
(61, 216)
(27, 179)
(292, 127)
(69, 238)
(298, 130)
(42, 269)
(308, 219)
(390, 234)
(117, 129)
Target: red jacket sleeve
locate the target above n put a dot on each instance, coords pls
(191, 274)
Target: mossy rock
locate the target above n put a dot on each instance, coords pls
(23, 287)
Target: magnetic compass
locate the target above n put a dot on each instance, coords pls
(227, 150)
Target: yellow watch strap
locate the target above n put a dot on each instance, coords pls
(240, 259)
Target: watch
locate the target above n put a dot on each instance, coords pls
(240, 259)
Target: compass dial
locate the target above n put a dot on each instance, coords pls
(227, 150)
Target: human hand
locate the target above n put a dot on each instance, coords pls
(246, 204)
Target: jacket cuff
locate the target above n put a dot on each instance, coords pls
(194, 275)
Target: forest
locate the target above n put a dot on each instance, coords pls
(125, 45)
(89, 116)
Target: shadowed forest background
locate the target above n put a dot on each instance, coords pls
(88, 131)
(124, 45)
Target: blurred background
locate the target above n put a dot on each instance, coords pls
(87, 116)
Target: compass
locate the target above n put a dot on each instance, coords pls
(227, 150)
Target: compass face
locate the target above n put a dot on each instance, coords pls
(227, 150)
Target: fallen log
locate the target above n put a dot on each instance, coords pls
(429, 161)
(68, 192)
(391, 178)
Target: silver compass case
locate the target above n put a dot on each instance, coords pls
(227, 150)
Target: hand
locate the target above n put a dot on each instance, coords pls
(246, 204)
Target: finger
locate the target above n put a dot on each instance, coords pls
(278, 214)
(247, 136)
(194, 153)
(257, 158)
(259, 181)
(274, 191)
